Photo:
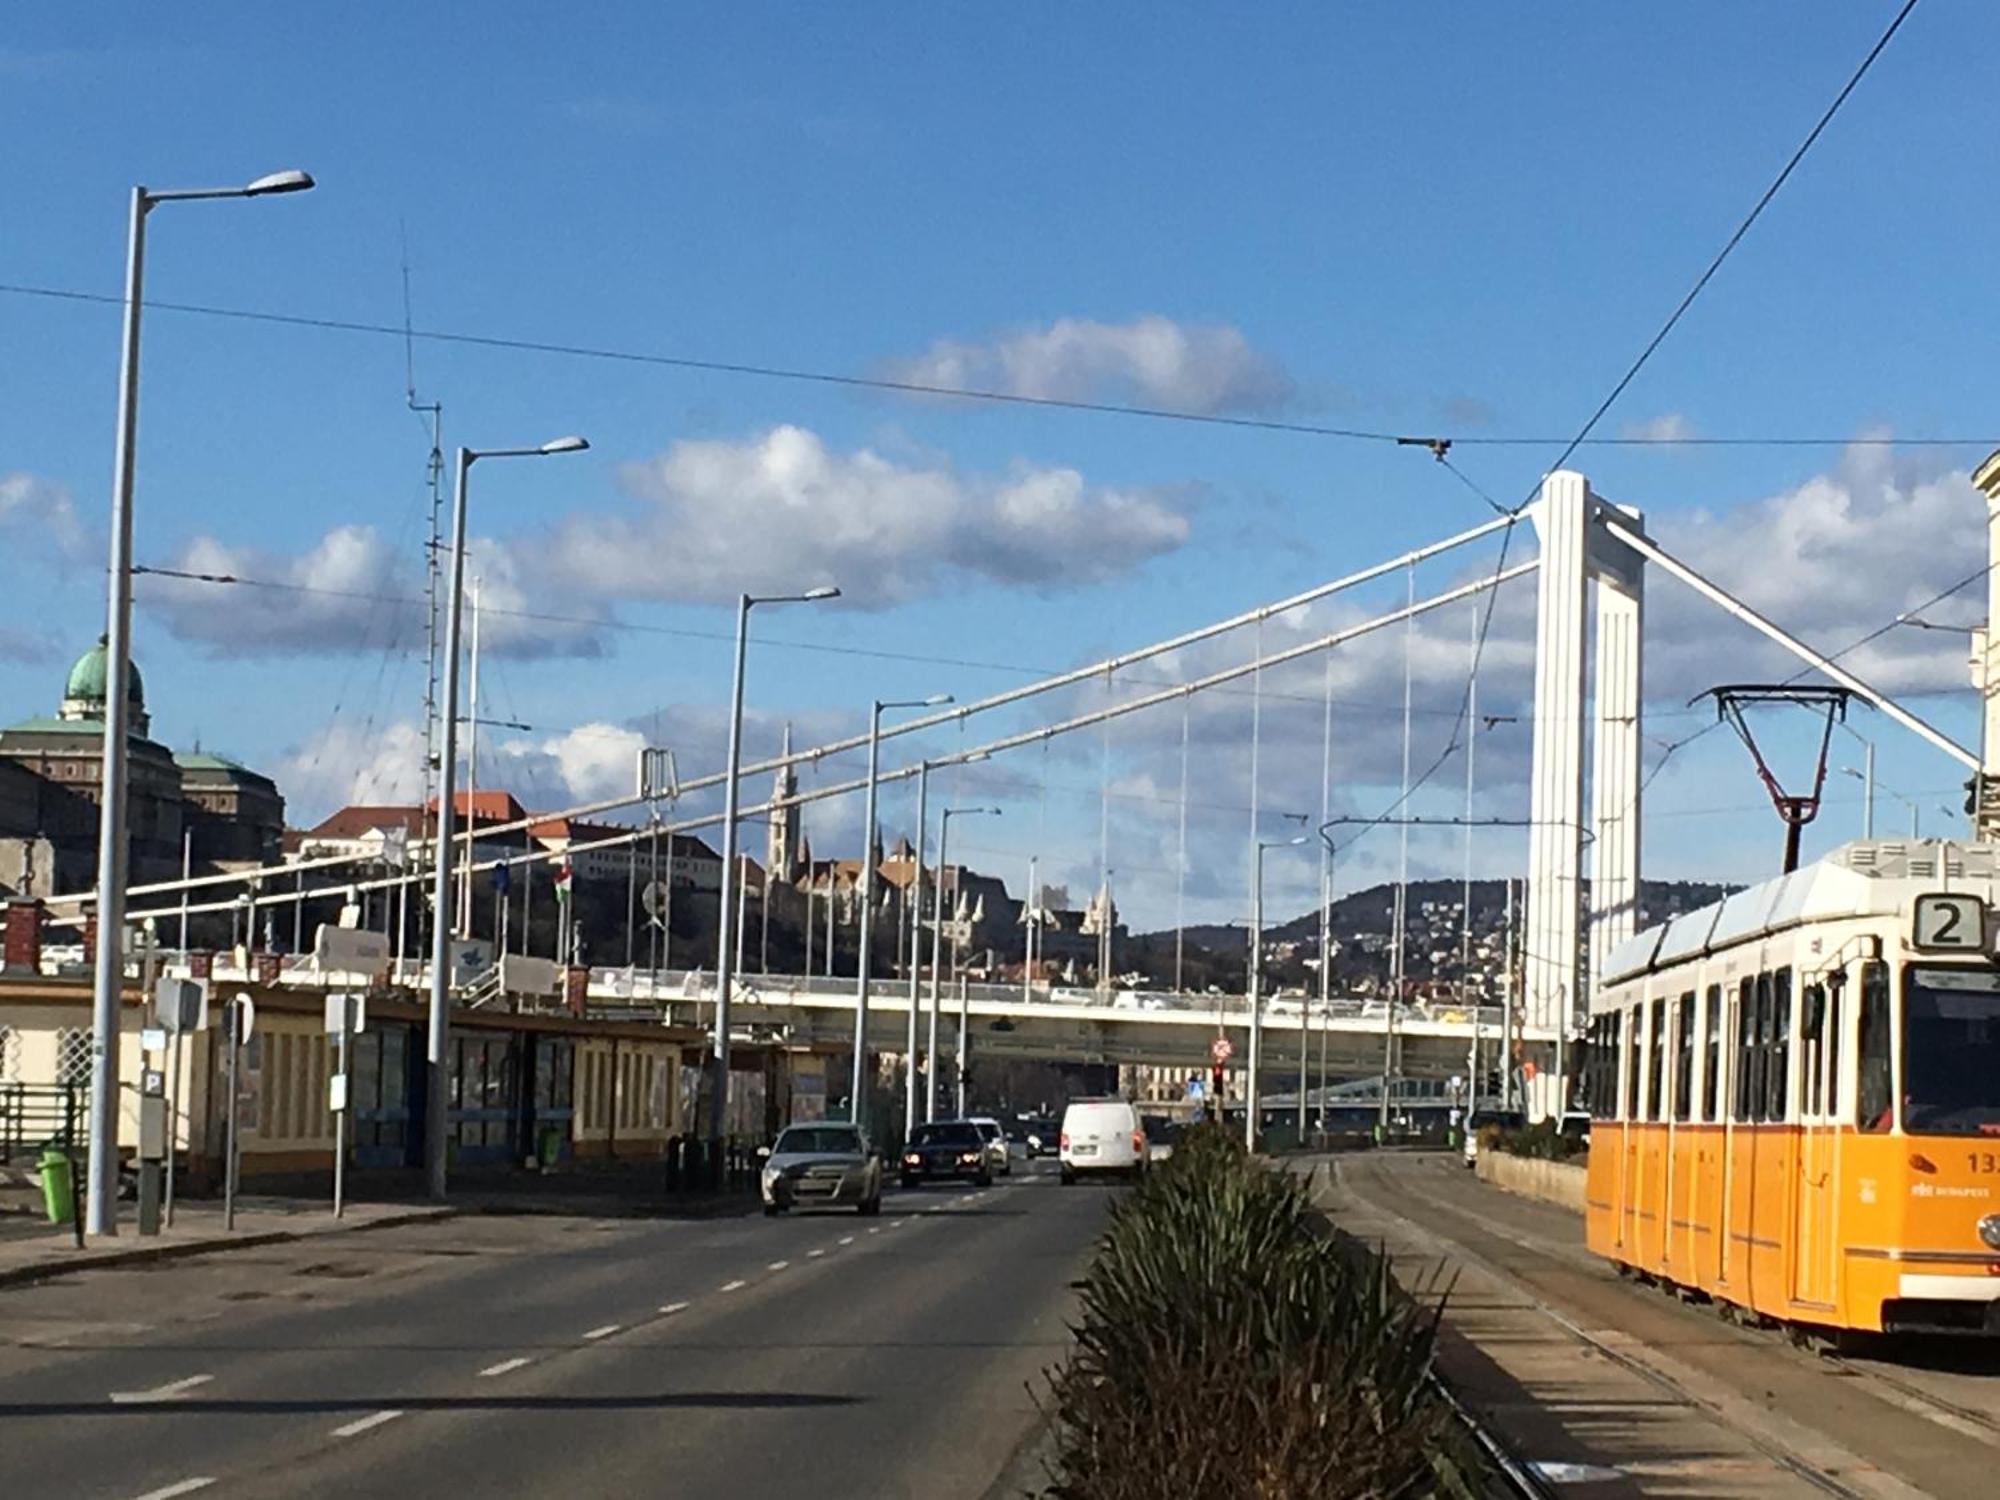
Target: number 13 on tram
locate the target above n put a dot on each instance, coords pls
(1796, 1094)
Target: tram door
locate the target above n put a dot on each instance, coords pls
(1814, 1248)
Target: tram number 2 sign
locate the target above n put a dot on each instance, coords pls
(1948, 922)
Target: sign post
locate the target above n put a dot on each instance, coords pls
(240, 1021)
(179, 1005)
(345, 1015)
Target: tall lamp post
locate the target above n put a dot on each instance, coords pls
(725, 952)
(112, 849)
(917, 952)
(937, 956)
(1257, 984)
(857, 1089)
(437, 1052)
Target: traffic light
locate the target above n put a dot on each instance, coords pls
(1972, 795)
(1215, 1084)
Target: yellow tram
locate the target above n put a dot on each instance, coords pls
(1795, 1094)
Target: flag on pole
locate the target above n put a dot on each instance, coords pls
(563, 873)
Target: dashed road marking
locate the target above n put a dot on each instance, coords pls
(185, 1487)
(605, 1332)
(777, 1265)
(354, 1429)
(874, 1229)
(671, 1308)
(734, 1286)
(172, 1390)
(504, 1366)
(814, 1254)
(847, 1239)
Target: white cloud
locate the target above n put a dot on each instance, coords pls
(1152, 360)
(783, 512)
(44, 511)
(594, 761)
(347, 592)
(1668, 427)
(351, 763)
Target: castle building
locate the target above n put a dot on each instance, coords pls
(218, 813)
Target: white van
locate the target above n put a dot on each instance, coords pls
(1102, 1135)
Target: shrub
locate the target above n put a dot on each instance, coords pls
(1233, 1347)
(1542, 1140)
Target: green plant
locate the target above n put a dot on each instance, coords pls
(1232, 1347)
(1542, 1141)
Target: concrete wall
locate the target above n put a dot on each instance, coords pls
(1557, 1182)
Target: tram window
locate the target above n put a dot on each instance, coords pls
(1876, 1097)
(1834, 989)
(1778, 1056)
(1711, 1078)
(1656, 1060)
(1748, 1080)
(1684, 1057)
(1633, 1019)
(1951, 1052)
(1812, 1052)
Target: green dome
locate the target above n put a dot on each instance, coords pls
(86, 679)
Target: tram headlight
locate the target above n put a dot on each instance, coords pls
(1989, 1230)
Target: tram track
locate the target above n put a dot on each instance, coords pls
(1523, 1474)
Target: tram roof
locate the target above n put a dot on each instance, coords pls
(1865, 878)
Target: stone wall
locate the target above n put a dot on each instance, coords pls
(1557, 1182)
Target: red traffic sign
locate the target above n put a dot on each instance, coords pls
(1220, 1050)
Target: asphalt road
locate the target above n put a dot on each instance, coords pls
(819, 1355)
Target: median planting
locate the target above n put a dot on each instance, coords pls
(1232, 1346)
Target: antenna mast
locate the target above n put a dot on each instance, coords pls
(433, 566)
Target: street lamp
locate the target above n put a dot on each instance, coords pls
(725, 956)
(1871, 787)
(937, 956)
(112, 850)
(858, 1085)
(1257, 983)
(436, 1112)
(917, 955)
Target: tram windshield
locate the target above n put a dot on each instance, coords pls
(1951, 1051)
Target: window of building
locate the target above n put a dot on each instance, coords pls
(1684, 1056)
(10, 1055)
(1876, 1098)
(1711, 1078)
(73, 1055)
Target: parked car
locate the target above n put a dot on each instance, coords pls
(1161, 1133)
(1102, 1135)
(949, 1149)
(831, 1164)
(997, 1150)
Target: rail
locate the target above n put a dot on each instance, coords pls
(34, 1115)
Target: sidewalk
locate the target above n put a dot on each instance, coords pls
(298, 1207)
(33, 1250)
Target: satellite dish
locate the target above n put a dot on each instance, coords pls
(654, 899)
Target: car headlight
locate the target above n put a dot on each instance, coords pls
(1989, 1230)
(911, 1159)
(969, 1157)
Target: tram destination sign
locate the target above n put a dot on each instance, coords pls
(1949, 922)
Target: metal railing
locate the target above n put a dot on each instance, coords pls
(34, 1115)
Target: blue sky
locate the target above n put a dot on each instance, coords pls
(1412, 219)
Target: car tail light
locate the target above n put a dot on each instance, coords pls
(1139, 1141)
(1063, 1144)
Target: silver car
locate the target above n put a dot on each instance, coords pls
(830, 1164)
(995, 1139)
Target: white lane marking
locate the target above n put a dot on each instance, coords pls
(874, 1229)
(777, 1265)
(504, 1366)
(605, 1332)
(847, 1239)
(353, 1429)
(167, 1392)
(673, 1307)
(814, 1254)
(897, 1223)
(734, 1286)
(185, 1487)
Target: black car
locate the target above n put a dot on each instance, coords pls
(1041, 1133)
(953, 1150)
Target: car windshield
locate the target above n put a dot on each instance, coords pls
(944, 1135)
(988, 1130)
(1951, 1052)
(819, 1139)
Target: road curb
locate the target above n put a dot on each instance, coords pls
(147, 1254)
(1025, 1475)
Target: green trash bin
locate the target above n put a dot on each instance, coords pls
(58, 1186)
(551, 1147)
